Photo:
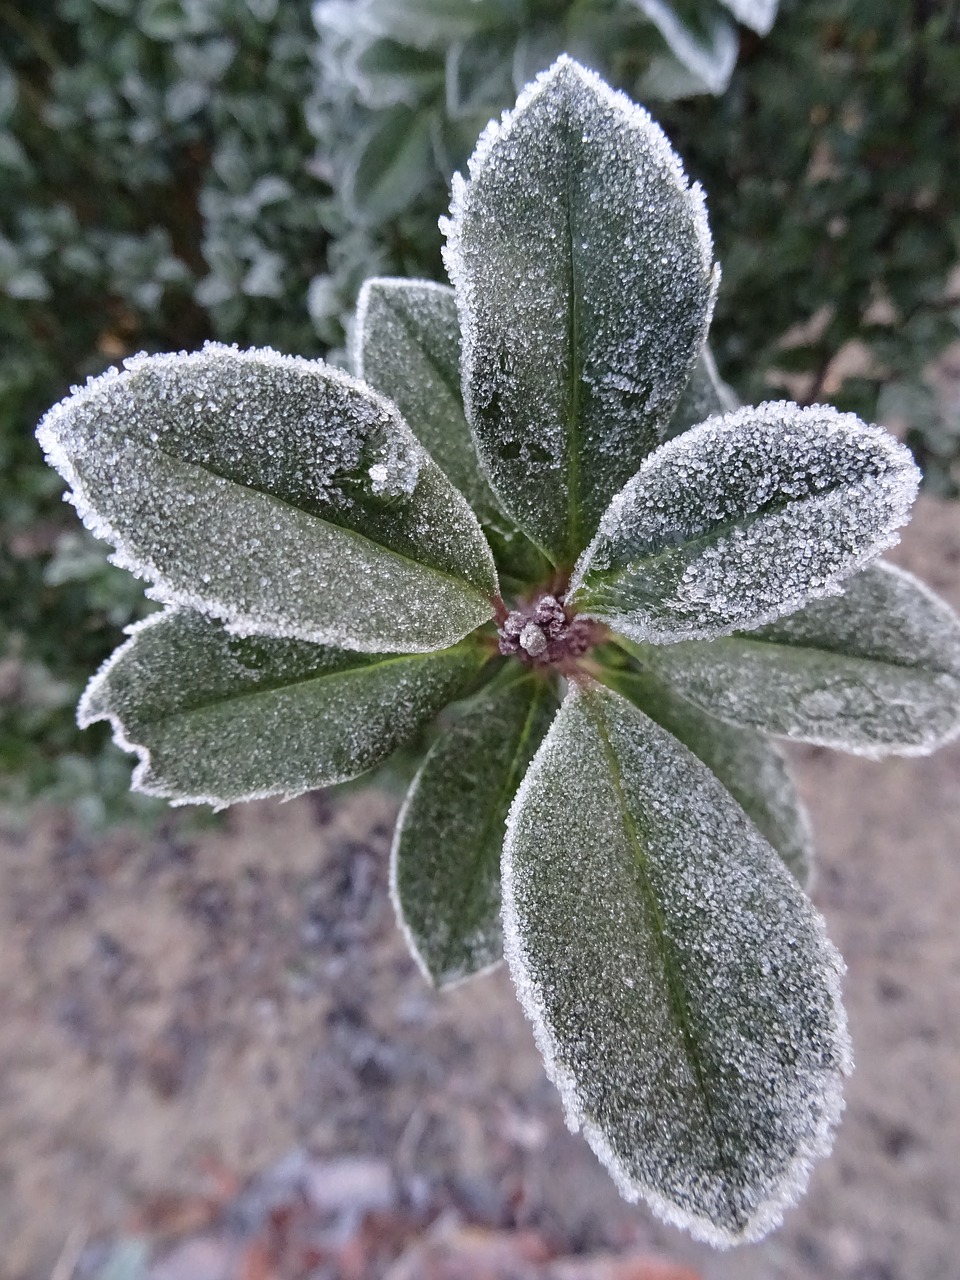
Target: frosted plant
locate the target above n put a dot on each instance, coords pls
(535, 501)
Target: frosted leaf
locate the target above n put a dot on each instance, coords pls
(706, 395)
(705, 44)
(875, 671)
(758, 15)
(583, 268)
(445, 864)
(749, 766)
(742, 519)
(406, 344)
(276, 493)
(217, 718)
(681, 986)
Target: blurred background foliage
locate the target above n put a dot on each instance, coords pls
(175, 170)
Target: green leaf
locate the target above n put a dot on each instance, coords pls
(875, 671)
(391, 163)
(706, 395)
(743, 519)
(749, 766)
(406, 344)
(681, 986)
(217, 718)
(583, 268)
(276, 493)
(445, 867)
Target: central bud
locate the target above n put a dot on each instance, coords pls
(543, 632)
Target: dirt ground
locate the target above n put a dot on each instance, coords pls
(174, 1010)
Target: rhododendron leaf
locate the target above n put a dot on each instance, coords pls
(584, 274)
(743, 519)
(874, 671)
(680, 984)
(217, 718)
(445, 871)
(276, 493)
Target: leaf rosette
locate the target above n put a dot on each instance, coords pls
(537, 504)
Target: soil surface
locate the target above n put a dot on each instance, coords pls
(184, 1019)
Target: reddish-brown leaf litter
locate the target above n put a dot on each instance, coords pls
(218, 1062)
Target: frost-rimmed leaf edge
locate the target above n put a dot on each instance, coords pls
(794, 1180)
(160, 587)
(139, 781)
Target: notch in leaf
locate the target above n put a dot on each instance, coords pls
(216, 718)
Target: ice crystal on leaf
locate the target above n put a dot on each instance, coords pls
(539, 493)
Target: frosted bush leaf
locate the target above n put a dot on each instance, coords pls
(874, 671)
(706, 395)
(743, 519)
(704, 43)
(756, 14)
(749, 766)
(680, 985)
(445, 866)
(217, 718)
(276, 493)
(406, 344)
(583, 268)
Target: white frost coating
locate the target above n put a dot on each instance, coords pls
(714, 66)
(874, 671)
(393, 284)
(743, 519)
(230, 480)
(409, 937)
(562, 416)
(756, 14)
(726, 908)
(635, 117)
(213, 720)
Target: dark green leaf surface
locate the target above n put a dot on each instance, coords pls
(743, 519)
(276, 493)
(584, 275)
(445, 871)
(680, 984)
(748, 764)
(217, 718)
(874, 671)
(407, 347)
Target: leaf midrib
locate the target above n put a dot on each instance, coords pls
(279, 686)
(576, 371)
(382, 548)
(604, 578)
(827, 651)
(677, 995)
